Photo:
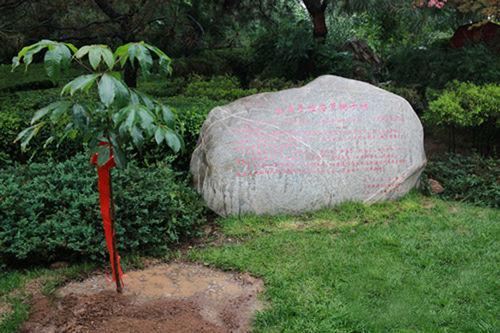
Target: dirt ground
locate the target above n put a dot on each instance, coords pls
(177, 297)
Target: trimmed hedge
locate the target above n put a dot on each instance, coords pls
(50, 211)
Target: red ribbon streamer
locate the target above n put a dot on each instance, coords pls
(105, 202)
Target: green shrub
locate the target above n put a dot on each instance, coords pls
(217, 88)
(273, 84)
(50, 211)
(436, 65)
(470, 109)
(232, 61)
(411, 94)
(472, 178)
(159, 87)
(465, 105)
(16, 110)
(36, 79)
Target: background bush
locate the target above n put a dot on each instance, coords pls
(16, 110)
(50, 211)
(435, 65)
(469, 107)
(471, 178)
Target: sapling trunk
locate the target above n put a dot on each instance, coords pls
(119, 287)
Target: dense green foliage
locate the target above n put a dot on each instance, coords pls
(50, 211)
(470, 110)
(435, 65)
(465, 105)
(416, 265)
(472, 178)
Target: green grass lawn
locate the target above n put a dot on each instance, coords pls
(13, 293)
(417, 265)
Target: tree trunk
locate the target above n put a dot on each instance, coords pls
(319, 23)
(130, 75)
(316, 9)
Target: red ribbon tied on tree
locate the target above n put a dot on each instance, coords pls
(104, 185)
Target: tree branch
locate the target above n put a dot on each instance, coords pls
(107, 9)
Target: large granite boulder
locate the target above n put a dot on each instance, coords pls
(302, 149)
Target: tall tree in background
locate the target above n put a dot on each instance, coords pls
(317, 9)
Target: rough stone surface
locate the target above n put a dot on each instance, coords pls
(306, 148)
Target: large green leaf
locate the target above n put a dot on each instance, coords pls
(141, 52)
(136, 134)
(95, 56)
(107, 89)
(108, 57)
(56, 108)
(102, 154)
(131, 116)
(173, 141)
(83, 83)
(58, 57)
(159, 135)
(83, 51)
(59, 110)
(41, 113)
(27, 134)
(168, 116)
(118, 153)
(164, 60)
(146, 117)
(121, 90)
(26, 54)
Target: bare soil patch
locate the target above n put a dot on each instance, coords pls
(177, 297)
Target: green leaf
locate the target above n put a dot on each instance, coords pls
(41, 113)
(107, 89)
(146, 118)
(24, 132)
(146, 100)
(159, 135)
(118, 153)
(121, 90)
(164, 61)
(137, 136)
(80, 117)
(82, 51)
(15, 63)
(168, 116)
(108, 57)
(145, 60)
(173, 141)
(48, 142)
(121, 53)
(131, 117)
(56, 58)
(83, 83)
(119, 116)
(27, 134)
(59, 109)
(133, 51)
(95, 55)
(102, 154)
(72, 47)
(56, 108)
